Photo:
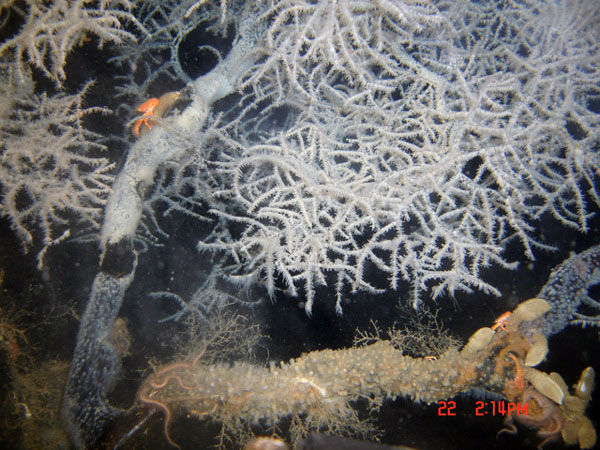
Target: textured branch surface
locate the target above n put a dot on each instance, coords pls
(318, 388)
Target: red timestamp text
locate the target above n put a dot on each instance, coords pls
(489, 408)
(446, 408)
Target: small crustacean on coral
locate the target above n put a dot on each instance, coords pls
(148, 109)
(552, 420)
(154, 108)
(500, 322)
(551, 409)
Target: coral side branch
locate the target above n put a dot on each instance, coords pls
(96, 365)
(320, 385)
(95, 361)
(567, 292)
(124, 208)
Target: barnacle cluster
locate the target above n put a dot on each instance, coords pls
(552, 410)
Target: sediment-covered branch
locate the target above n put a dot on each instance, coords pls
(318, 387)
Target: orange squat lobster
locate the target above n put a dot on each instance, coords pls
(154, 108)
(148, 109)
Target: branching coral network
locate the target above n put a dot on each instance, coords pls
(415, 140)
(402, 152)
(47, 170)
(342, 145)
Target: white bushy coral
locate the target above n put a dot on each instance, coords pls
(50, 173)
(52, 29)
(420, 138)
(412, 138)
(49, 178)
